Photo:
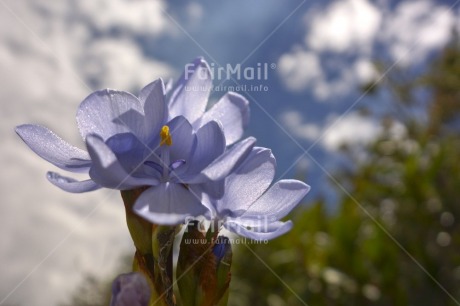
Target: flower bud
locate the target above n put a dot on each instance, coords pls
(222, 251)
(130, 289)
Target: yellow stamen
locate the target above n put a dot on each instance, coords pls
(165, 136)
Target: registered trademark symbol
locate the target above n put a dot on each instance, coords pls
(272, 65)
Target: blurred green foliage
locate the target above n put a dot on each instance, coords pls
(395, 236)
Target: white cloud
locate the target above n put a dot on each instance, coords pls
(295, 124)
(355, 129)
(195, 13)
(47, 60)
(299, 68)
(140, 16)
(302, 69)
(345, 25)
(117, 63)
(364, 70)
(417, 28)
(349, 129)
(341, 39)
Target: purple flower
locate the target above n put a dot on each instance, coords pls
(135, 142)
(248, 206)
(130, 289)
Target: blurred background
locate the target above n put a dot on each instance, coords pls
(361, 102)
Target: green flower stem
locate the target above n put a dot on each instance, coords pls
(202, 278)
(189, 266)
(144, 260)
(139, 228)
(162, 247)
(145, 265)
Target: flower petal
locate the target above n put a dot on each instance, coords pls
(247, 182)
(54, 149)
(272, 230)
(191, 92)
(213, 189)
(168, 204)
(152, 98)
(169, 86)
(225, 163)
(71, 185)
(109, 112)
(129, 150)
(209, 193)
(183, 140)
(210, 144)
(232, 110)
(279, 200)
(107, 170)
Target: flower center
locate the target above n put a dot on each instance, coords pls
(165, 136)
(164, 165)
(166, 142)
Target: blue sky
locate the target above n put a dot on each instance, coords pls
(53, 54)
